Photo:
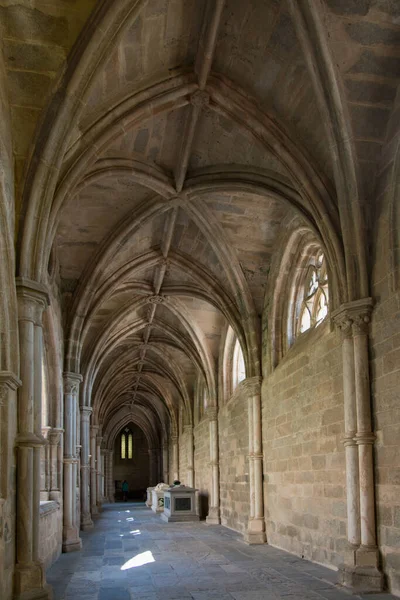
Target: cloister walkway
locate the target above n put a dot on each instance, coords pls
(132, 554)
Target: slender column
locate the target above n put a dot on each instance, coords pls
(110, 476)
(29, 574)
(71, 539)
(256, 526)
(103, 453)
(190, 455)
(55, 437)
(213, 517)
(165, 462)
(93, 473)
(98, 472)
(86, 519)
(175, 457)
(361, 569)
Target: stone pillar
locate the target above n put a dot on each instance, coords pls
(153, 465)
(30, 581)
(93, 472)
(165, 463)
(256, 526)
(55, 438)
(86, 519)
(9, 384)
(104, 454)
(213, 517)
(110, 476)
(361, 569)
(175, 457)
(71, 539)
(188, 429)
(99, 473)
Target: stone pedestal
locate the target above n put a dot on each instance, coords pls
(180, 504)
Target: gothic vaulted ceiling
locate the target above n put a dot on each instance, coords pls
(180, 179)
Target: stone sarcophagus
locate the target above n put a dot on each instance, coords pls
(180, 504)
(157, 493)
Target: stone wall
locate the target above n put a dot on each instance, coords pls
(50, 532)
(202, 472)
(385, 355)
(304, 466)
(233, 461)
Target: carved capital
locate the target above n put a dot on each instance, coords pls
(33, 299)
(212, 413)
(71, 382)
(200, 99)
(8, 381)
(251, 385)
(55, 436)
(353, 318)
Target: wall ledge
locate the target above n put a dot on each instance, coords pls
(48, 506)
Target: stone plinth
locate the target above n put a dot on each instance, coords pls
(180, 504)
(149, 499)
(158, 497)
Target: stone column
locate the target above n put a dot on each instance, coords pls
(213, 517)
(256, 526)
(188, 429)
(71, 539)
(361, 569)
(55, 437)
(153, 460)
(175, 457)
(103, 474)
(8, 401)
(165, 463)
(99, 439)
(86, 519)
(110, 476)
(30, 579)
(93, 472)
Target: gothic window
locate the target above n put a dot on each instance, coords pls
(238, 366)
(313, 299)
(127, 444)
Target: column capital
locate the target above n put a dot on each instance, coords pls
(55, 435)
(174, 438)
(353, 318)
(99, 439)
(251, 385)
(188, 428)
(8, 381)
(86, 411)
(32, 297)
(212, 413)
(93, 430)
(71, 382)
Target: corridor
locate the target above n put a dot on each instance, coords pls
(132, 554)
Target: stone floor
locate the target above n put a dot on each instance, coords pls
(132, 554)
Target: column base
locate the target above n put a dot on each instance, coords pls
(87, 523)
(30, 583)
(71, 542)
(213, 517)
(255, 533)
(361, 571)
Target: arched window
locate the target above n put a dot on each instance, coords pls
(313, 295)
(126, 444)
(238, 366)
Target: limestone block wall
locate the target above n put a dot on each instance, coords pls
(304, 465)
(233, 462)
(202, 472)
(50, 531)
(385, 355)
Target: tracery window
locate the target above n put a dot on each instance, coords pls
(126, 444)
(313, 302)
(238, 365)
